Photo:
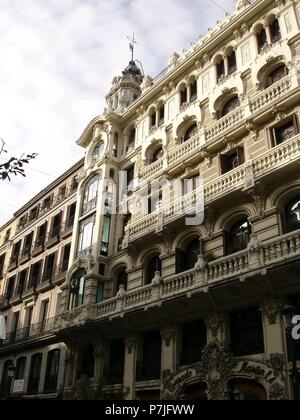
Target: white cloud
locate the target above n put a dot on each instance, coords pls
(56, 65)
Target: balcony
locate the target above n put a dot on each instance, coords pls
(4, 302)
(259, 258)
(25, 255)
(85, 252)
(17, 296)
(53, 237)
(39, 246)
(285, 155)
(13, 263)
(60, 273)
(258, 104)
(46, 281)
(35, 331)
(68, 228)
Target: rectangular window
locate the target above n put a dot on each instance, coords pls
(100, 293)
(65, 259)
(21, 282)
(86, 234)
(41, 236)
(105, 235)
(232, 160)
(7, 236)
(15, 322)
(56, 224)
(44, 314)
(190, 184)
(2, 260)
(285, 131)
(10, 287)
(16, 252)
(34, 277)
(49, 267)
(246, 332)
(27, 244)
(194, 339)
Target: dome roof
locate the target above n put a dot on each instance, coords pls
(132, 70)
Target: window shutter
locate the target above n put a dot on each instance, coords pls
(296, 126)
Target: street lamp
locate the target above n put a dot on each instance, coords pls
(10, 373)
(288, 313)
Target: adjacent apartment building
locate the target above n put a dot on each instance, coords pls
(113, 287)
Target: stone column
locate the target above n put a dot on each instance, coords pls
(267, 29)
(274, 336)
(130, 365)
(71, 366)
(168, 348)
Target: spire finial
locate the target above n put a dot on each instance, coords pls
(132, 45)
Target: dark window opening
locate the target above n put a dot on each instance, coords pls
(130, 180)
(285, 132)
(158, 154)
(194, 91)
(220, 70)
(10, 287)
(238, 238)
(149, 368)
(153, 119)
(246, 332)
(194, 339)
(232, 66)
(161, 115)
(245, 390)
(34, 374)
(49, 267)
(122, 280)
(52, 371)
(275, 31)
(41, 235)
(153, 266)
(88, 363)
(2, 261)
(20, 369)
(56, 223)
(186, 260)
(261, 40)
(230, 106)
(131, 140)
(232, 160)
(77, 289)
(35, 273)
(191, 132)
(115, 373)
(183, 96)
(276, 76)
(21, 283)
(71, 216)
(292, 215)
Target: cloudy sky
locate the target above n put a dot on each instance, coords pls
(57, 62)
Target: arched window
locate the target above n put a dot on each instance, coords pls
(34, 374)
(186, 260)
(131, 140)
(161, 115)
(220, 68)
(152, 266)
(77, 289)
(194, 90)
(153, 118)
(238, 237)
(52, 370)
(292, 215)
(20, 368)
(183, 96)
(261, 38)
(276, 75)
(230, 106)
(158, 154)
(275, 31)
(232, 66)
(191, 132)
(98, 150)
(245, 390)
(90, 195)
(122, 279)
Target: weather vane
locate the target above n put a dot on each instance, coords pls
(132, 45)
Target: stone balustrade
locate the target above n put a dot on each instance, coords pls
(257, 257)
(257, 103)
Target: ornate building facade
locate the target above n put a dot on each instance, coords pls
(134, 300)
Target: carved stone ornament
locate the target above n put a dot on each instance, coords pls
(214, 322)
(277, 362)
(271, 309)
(130, 343)
(168, 333)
